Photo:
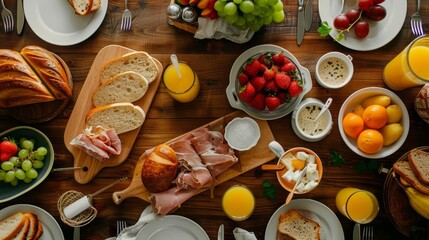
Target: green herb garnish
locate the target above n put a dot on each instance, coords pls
(337, 159)
(269, 190)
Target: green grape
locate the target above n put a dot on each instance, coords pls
(10, 176)
(256, 10)
(219, 6)
(261, 3)
(14, 182)
(15, 160)
(272, 2)
(240, 21)
(37, 164)
(247, 6)
(23, 153)
(268, 20)
(26, 165)
(231, 19)
(32, 173)
(278, 6)
(237, 1)
(37, 156)
(27, 144)
(27, 179)
(278, 16)
(2, 175)
(7, 165)
(249, 17)
(42, 151)
(230, 8)
(22, 140)
(20, 174)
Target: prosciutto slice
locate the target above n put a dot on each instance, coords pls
(84, 143)
(186, 154)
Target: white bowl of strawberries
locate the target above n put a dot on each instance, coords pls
(267, 82)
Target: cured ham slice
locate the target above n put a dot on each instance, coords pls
(196, 178)
(186, 154)
(84, 143)
(217, 163)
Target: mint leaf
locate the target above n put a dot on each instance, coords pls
(266, 184)
(324, 29)
(269, 190)
(337, 159)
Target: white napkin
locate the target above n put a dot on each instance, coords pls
(219, 28)
(241, 234)
(130, 233)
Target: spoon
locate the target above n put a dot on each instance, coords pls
(175, 62)
(291, 193)
(326, 106)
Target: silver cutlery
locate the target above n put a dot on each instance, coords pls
(308, 15)
(292, 192)
(76, 233)
(416, 21)
(367, 232)
(7, 17)
(120, 225)
(126, 18)
(356, 232)
(19, 16)
(300, 23)
(220, 233)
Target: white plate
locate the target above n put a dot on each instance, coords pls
(51, 229)
(55, 21)
(172, 227)
(380, 33)
(330, 224)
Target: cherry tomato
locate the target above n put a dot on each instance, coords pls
(341, 22)
(364, 4)
(361, 29)
(375, 12)
(352, 15)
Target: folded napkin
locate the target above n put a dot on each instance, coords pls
(130, 233)
(219, 28)
(241, 234)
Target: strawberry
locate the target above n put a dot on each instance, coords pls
(269, 74)
(272, 102)
(283, 97)
(262, 68)
(8, 149)
(282, 80)
(290, 68)
(265, 60)
(258, 102)
(271, 87)
(252, 69)
(258, 83)
(278, 59)
(246, 92)
(294, 89)
(243, 78)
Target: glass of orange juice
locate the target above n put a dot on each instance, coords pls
(184, 88)
(238, 202)
(409, 68)
(357, 205)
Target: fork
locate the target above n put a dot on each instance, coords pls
(120, 225)
(416, 21)
(367, 233)
(126, 18)
(7, 17)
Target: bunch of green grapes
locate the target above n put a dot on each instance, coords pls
(251, 14)
(24, 165)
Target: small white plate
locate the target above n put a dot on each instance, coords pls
(330, 224)
(172, 227)
(380, 33)
(51, 228)
(55, 22)
(242, 133)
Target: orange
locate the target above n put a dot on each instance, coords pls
(353, 124)
(370, 141)
(375, 116)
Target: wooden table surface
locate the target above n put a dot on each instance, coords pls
(166, 119)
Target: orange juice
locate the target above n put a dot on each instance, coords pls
(183, 89)
(409, 68)
(238, 203)
(357, 205)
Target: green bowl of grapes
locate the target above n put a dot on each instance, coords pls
(26, 159)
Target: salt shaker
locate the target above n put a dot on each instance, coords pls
(189, 14)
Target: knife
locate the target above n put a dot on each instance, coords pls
(20, 17)
(356, 232)
(220, 233)
(300, 23)
(308, 15)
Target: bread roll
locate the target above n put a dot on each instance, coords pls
(50, 70)
(19, 84)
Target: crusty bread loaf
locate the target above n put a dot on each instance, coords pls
(419, 161)
(122, 117)
(49, 69)
(12, 225)
(297, 226)
(19, 84)
(405, 171)
(124, 87)
(138, 61)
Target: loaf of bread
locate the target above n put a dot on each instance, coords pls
(19, 84)
(406, 172)
(122, 117)
(419, 161)
(124, 87)
(293, 225)
(49, 69)
(12, 225)
(138, 61)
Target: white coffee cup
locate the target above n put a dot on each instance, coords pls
(334, 70)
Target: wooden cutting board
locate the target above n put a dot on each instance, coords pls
(76, 124)
(250, 159)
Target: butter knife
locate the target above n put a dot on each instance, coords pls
(300, 23)
(356, 232)
(220, 233)
(20, 17)
(308, 15)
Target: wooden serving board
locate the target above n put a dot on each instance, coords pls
(248, 160)
(76, 124)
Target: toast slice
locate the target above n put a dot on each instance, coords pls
(122, 117)
(293, 225)
(124, 87)
(12, 225)
(419, 161)
(406, 172)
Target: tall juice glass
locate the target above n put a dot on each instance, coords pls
(183, 89)
(357, 205)
(410, 67)
(238, 202)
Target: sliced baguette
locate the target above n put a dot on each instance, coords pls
(81, 7)
(297, 226)
(124, 87)
(139, 62)
(95, 5)
(419, 161)
(122, 117)
(34, 225)
(405, 171)
(22, 235)
(12, 225)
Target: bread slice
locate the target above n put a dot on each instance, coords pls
(122, 117)
(419, 161)
(138, 61)
(96, 4)
(81, 7)
(405, 171)
(39, 231)
(22, 235)
(297, 226)
(124, 87)
(34, 225)
(12, 225)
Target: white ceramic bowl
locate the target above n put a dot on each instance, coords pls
(345, 63)
(355, 99)
(242, 133)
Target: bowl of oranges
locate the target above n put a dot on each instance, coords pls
(373, 122)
